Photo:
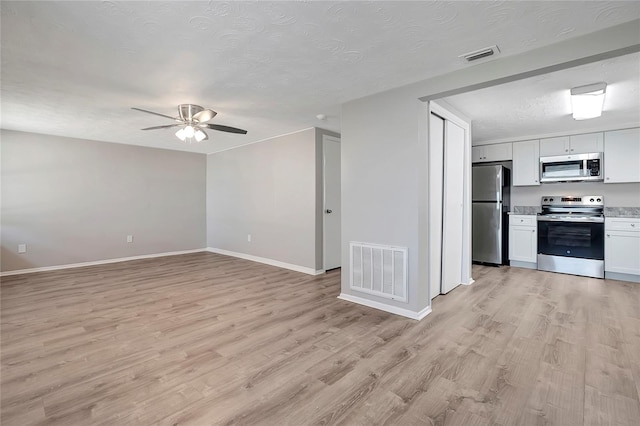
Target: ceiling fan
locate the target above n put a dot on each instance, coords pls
(192, 120)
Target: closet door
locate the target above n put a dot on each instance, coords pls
(453, 203)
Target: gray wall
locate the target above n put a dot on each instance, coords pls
(273, 191)
(381, 162)
(384, 161)
(73, 200)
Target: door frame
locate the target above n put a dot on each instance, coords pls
(332, 139)
(435, 185)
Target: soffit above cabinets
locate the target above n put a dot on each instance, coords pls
(75, 68)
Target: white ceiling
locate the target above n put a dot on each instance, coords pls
(75, 68)
(542, 105)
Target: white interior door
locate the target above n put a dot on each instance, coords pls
(436, 146)
(453, 203)
(331, 252)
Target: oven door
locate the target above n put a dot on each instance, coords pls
(581, 239)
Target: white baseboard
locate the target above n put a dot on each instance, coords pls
(622, 277)
(297, 268)
(471, 281)
(387, 308)
(518, 264)
(97, 262)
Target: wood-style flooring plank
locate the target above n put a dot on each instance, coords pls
(203, 339)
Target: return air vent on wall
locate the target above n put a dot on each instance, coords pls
(481, 54)
(379, 270)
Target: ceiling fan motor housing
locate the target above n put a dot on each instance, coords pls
(187, 111)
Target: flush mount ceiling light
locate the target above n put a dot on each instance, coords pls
(192, 119)
(587, 101)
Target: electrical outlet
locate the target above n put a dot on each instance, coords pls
(249, 237)
(129, 238)
(22, 248)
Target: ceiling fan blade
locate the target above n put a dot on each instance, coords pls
(204, 115)
(154, 113)
(162, 127)
(223, 128)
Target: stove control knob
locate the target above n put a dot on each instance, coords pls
(598, 200)
(546, 199)
(550, 199)
(591, 200)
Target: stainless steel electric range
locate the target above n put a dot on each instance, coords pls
(571, 235)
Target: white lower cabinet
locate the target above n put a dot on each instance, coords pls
(523, 238)
(622, 245)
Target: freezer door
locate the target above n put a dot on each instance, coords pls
(486, 183)
(487, 233)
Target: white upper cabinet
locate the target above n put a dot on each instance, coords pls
(622, 156)
(587, 143)
(574, 144)
(494, 152)
(554, 146)
(526, 163)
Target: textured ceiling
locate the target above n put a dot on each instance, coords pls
(542, 105)
(75, 68)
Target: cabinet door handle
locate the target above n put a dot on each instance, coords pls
(633, 225)
(533, 230)
(566, 150)
(608, 235)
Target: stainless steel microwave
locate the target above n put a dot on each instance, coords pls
(571, 168)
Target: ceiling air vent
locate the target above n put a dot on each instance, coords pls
(481, 54)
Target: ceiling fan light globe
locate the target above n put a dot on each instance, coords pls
(200, 135)
(181, 135)
(189, 131)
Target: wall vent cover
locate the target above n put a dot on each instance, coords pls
(379, 270)
(481, 53)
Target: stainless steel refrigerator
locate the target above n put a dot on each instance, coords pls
(490, 203)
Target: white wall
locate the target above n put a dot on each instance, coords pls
(73, 200)
(273, 191)
(384, 155)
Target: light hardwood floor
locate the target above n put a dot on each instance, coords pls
(208, 339)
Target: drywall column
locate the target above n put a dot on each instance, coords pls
(384, 169)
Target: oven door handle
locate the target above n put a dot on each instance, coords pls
(572, 220)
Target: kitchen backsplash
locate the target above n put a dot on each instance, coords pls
(622, 211)
(526, 209)
(615, 194)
